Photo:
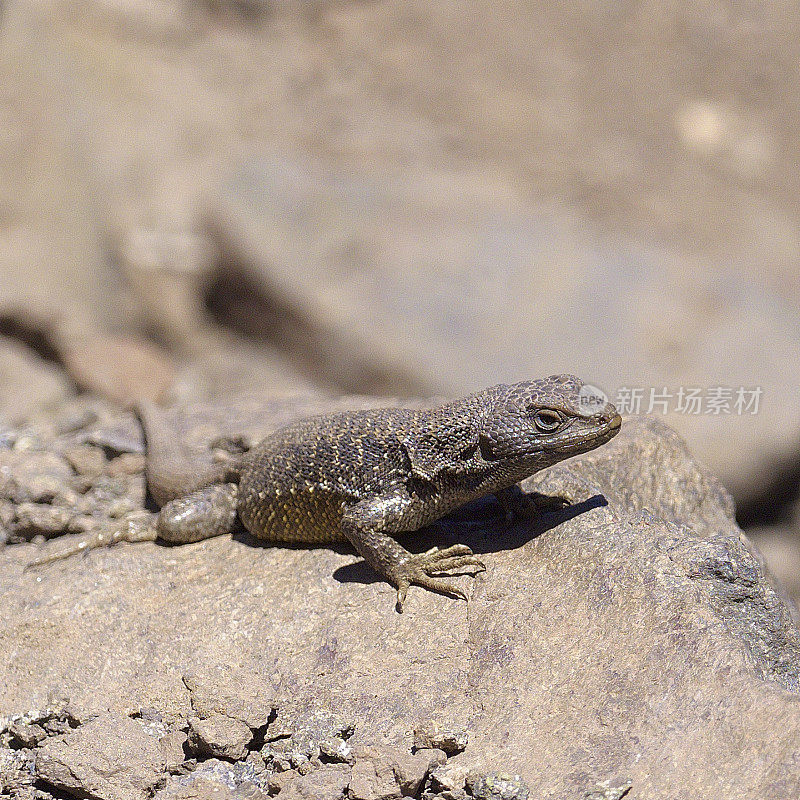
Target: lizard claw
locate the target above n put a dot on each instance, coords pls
(419, 569)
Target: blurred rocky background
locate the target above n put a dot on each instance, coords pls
(204, 198)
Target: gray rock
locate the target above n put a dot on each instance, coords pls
(27, 734)
(40, 519)
(109, 758)
(599, 638)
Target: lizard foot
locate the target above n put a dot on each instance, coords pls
(418, 569)
(136, 529)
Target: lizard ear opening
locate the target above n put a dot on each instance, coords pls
(487, 446)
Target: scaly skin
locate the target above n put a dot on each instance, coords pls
(366, 476)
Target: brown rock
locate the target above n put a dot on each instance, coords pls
(86, 460)
(125, 369)
(373, 776)
(28, 383)
(235, 695)
(384, 772)
(33, 477)
(595, 634)
(431, 734)
(411, 769)
(172, 749)
(40, 519)
(220, 736)
(323, 783)
(109, 758)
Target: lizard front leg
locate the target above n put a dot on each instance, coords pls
(200, 515)
(518, 504)
(369, 525)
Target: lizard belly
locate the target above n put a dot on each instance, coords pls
(297, 514)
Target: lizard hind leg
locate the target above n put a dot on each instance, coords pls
(200, 515)
(368, 526)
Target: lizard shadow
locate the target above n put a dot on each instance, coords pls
(480, 525)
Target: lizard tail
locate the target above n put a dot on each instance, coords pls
(139, 528)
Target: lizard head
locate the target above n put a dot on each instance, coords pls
(542, 422)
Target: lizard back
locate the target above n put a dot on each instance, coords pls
(296, 483)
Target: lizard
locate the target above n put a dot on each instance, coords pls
(366, 476)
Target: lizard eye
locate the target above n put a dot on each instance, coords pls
(546, 420)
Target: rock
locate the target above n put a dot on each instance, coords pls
(27, 735)
(109, 758)
(40, 519)
(499, 786)
(324, 783)
(86, 460)
(373, 777)
(232, 694)
(28, 383)
(636, 621)
(430, 734)
(391, 324)
(411, 769)
(219, 736)
(779, 546)
(215, 780)
(172, 749)
(448, 780)
(298, 742)
(611, 789)
(33, 477)
(124, 368)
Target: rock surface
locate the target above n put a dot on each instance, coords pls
(303, 235)
(609, 642)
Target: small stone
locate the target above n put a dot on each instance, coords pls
(39, 519)
(27, 735)
(411, 769)
(278, 781)
(613, 789)
(86, 460)
(172, 745)
(220, 736)
(450, 778)
(126, 464)
(373, 776)
(325, 783)
(431, 734)
(336, 750)
(498, 786)
(238, 696)
(33, 477)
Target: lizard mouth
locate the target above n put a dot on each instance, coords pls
(589, 439)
